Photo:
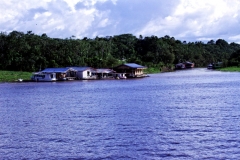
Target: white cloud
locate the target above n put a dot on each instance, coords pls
(103, 23)
(72, 3)
(57, 18)
(197, 19)
(235, 38)
(191, 20)
(114, 2)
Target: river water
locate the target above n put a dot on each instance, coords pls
(187, 114)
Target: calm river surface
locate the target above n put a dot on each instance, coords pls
(189, 114)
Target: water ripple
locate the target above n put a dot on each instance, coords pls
(181, 115)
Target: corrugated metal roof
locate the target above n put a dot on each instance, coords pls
(104, 70)
(134, 65)
(81, 68)
(55, 70)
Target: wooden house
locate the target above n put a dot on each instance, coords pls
(84, 73)
(131, 70)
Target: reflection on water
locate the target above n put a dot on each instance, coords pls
(189, 114)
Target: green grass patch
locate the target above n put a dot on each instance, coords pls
(151, 70)
(230, 69)
(11, 76)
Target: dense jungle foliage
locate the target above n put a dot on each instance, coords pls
(30, 52)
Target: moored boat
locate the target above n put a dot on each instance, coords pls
(184, 65)
(120, 75)
(210, 66)
(215, 65)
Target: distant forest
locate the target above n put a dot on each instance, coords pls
(30, 52)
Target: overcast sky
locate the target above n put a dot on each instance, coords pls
(185, 20)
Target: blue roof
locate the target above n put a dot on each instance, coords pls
(55, 70)
(134, 65)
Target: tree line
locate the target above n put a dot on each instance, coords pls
(30, 52)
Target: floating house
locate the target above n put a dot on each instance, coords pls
(104, 73)
(61, 73)
(53, 74)
(84, 73)
(130, 70)
(43, 77)
(184, 65)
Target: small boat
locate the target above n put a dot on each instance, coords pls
(120, 75)
(216, 65)
(43, 77)
(180, 66)
(189, 64)
(184, 65)
(210, 66)
(20, 80)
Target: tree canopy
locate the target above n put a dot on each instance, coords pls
(31, 52)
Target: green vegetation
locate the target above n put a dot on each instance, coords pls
(10, 76)
(151, 70)
(230, 69)
(30, 52)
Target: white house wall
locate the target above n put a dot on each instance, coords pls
(84, 74)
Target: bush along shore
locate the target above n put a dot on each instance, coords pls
(230, 69)
(13, 76)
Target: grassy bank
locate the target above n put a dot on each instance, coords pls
(11, 76)
(151, 70)
(230, 69)
(158, 70)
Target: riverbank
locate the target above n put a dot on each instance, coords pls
(230, 69)
(11, 76)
